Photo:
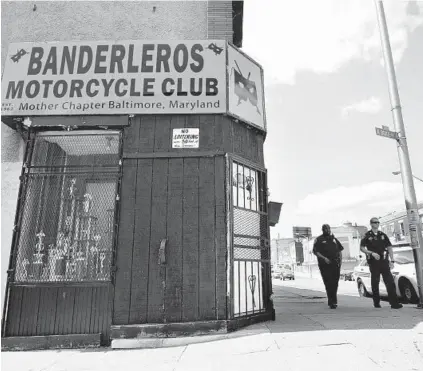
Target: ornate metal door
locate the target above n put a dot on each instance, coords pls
(250, 240)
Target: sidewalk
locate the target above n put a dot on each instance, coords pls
(306, 335)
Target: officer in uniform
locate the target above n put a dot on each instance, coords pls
(328, 251)
(377, 247)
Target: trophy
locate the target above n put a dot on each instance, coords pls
(57, 262)
(102, 259)
(24, 269)
(88, 202)
(70, 262)
(94, 260)
(72, 188)
(80, 266)
(36, 270)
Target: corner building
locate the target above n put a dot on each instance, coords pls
(132, 146)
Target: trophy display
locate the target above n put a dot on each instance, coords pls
(79, 253)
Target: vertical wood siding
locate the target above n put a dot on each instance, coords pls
(44, 310)
(183, 200)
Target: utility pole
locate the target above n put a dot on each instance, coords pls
(416, 239)
(415, 177)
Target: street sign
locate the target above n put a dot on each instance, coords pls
(384, 132)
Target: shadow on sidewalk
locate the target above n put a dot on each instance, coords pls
(307, 310)
(304, 317)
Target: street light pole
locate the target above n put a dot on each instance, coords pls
(403, 155)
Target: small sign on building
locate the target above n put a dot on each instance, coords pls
(186, 138)
(301, 232)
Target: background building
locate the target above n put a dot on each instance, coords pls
(350, 236)
(281, 251)
(395, 225)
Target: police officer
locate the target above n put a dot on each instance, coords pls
(328, 251)
(376, 246)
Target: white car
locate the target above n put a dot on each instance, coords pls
(404, 273)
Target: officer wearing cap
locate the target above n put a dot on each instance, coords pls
(328, 251)
(377, 247)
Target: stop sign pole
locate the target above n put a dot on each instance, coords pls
(416, 238)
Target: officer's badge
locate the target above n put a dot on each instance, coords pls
(370, 238)
(383, 237)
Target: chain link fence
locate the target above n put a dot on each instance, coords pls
(66, 229)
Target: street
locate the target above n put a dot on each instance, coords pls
(306, 334)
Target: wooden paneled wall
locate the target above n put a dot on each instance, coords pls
(54, 310)
(166, 194)
(153, 134)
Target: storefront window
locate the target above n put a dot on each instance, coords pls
(67, 225)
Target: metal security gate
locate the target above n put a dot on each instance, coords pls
(59, 281)
(250, 240)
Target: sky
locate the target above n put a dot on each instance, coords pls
(326, 90)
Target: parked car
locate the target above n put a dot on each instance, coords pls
(347, 275)
(286, 273)
(275, 272)
(404, 273)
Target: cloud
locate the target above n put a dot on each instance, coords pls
(356, 204)
(320, 36)
(372, 105)
(380, 195)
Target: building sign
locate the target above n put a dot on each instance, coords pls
(186, 138)
(103, 78)
(245, 88)
(132, 77)
(301, 232)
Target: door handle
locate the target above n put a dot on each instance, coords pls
(162, 251)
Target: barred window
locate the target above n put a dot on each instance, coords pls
(247, 188)
(67, 223)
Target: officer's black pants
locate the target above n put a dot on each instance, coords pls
(377, 268)
(330, 275)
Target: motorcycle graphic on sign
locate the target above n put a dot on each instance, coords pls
(245, 89)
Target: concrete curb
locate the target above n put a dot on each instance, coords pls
(148, 343)
(164, 343)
